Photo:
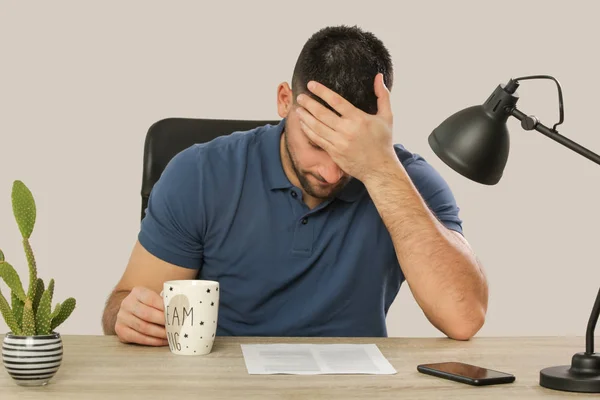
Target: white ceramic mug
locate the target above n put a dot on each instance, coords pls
(191, 315)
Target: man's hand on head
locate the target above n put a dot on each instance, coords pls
(359, 143)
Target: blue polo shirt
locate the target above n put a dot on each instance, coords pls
(226, 209)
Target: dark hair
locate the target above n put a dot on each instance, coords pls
(346, 60)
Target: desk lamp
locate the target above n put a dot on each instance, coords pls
(475, 143)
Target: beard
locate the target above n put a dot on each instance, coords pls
(321, 193)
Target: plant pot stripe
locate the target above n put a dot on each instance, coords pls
(32, 359)
(27, 342)
(41, 369)
(29, 365)
(33, 373)
(31, 351)
(36, 378)
(40, 343)
(37, 360)
(39, 349)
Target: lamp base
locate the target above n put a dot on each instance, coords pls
(583, 375)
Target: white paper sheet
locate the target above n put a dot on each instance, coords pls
(315, 359)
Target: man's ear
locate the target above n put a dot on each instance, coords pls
(285, 99)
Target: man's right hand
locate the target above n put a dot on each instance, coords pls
(134, 309)
(141, 318)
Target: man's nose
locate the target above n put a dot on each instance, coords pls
(331, 173)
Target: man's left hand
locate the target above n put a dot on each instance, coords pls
(358, 142)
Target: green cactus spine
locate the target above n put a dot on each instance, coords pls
(17, 308)
(10, 276)
(64, 312)
(23, 208)
(28, 319)
(32, 268)
(42, 317)
(17, 296)
(39, 290)
(9, 316)
(56, 311)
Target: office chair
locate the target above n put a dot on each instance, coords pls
(167, 137)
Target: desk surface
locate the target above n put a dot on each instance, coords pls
(100, 367)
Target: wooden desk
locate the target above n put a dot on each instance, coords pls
(99, 367)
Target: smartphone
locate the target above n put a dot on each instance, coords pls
(466, 373)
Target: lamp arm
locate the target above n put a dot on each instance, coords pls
(531, 123)
(589, 335)
(513, 84)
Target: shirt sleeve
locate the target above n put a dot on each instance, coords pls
(172, 227)
(435, 191)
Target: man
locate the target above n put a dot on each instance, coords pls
(310, 226)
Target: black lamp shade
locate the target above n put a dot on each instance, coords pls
(475, 142)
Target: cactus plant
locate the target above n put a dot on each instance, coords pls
(30, 311)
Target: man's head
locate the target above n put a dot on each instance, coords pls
(346, 60)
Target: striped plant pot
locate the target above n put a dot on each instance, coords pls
(32, 360)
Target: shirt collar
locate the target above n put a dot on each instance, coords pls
(273, 167)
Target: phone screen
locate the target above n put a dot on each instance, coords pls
(466, 370)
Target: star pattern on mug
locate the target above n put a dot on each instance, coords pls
(211, 296)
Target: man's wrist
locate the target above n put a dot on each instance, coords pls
(383, 171)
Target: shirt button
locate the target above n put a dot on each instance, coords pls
(304, 221)
(294, 194)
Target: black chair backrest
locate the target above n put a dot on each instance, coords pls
(168, 137)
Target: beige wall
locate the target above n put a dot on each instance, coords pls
(80, 83)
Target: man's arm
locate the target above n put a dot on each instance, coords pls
(442, 271)
(111, 309)
(439, 266)
(169, 247)
(134, 309)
